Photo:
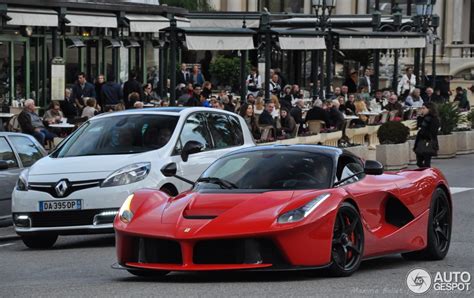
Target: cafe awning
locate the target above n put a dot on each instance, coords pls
(32, 17)
(91, 19)
(147, 23)
(349, 40)
(219, 39)
(302, 43)
(225, 23)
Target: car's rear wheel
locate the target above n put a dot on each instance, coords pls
(439, 230)
(40, 241)
(347, 242)
(148, 273)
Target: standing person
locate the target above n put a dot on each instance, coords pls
(254, 82)
(111, 93)
(426, 143)
(275, 87)
(130, 86)
(147, 94)
(82, 89)
(366, 81)
(197, 77)
(445, 88)
(183, 76)
(352, 81)
(407, 82)
(99, 82)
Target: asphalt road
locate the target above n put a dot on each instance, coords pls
(80, 266)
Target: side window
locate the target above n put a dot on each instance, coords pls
(237, 129)
(6, 154)
(347, 167)
(27, 150)
(222, 131)
(194, 129)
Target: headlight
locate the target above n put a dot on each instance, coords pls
(22, 183)
(302, 212)
(125, 214)
(129, 174)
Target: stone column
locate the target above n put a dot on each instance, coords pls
(216, 4)
(253, 5)
(362, 8)
(457, 21)
(234, 5)
(344, 7)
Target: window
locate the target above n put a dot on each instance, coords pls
(223, 131)
(124, 134)
(277, 6)
(347, 167)
(237, 130)
(27, 150)
(195, 129)
(6, 154)
(386, 6)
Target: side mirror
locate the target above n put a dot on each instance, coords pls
(191, 147)
(169, 170)
(373, 167)
(3, 165)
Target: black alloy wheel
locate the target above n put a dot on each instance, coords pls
(439, 230)
(348, 241)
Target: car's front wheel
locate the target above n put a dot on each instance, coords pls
(347, 242)
(40, 241)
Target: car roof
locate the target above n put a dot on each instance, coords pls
(331, 152)
(170, 111)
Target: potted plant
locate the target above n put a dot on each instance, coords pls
(465, 134)
(225, 69)
(449, 117)
(393, 151)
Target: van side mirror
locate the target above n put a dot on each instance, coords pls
(373, 167)
(169, 170)
(191, 147)
(3, 165)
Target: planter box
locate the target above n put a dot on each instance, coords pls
(447, 146)
(393, 156)
(292, 141)
(360, 151)
(331, 138)
(372, 133)
(465, 144)
(411, 153)
(314, 139)
(357, 135)
(267, 144)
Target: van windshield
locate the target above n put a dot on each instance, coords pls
(123, 134)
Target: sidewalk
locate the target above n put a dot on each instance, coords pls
(7, 234)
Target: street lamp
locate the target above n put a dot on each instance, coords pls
(424, 20)
(323, 10)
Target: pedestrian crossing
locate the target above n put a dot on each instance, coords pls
(455, 190)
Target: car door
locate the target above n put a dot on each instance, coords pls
(8, 177)
(226, 133)
(194, 129)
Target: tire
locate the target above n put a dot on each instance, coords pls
(42, 241)
(439, 230)
(148, 273)
(347, 242)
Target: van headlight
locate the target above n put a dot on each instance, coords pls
(129, 174)
(302, 212)
(22, 183)
(125, 214)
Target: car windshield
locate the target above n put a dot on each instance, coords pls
(123, 134)
(270, 170)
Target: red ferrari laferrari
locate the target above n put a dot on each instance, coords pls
(285, 207)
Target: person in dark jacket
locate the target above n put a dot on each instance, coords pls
(287, 98)
(297, 114)
(82, 89)
(130, 86)
(266, 117)
(67, 105)
(111, 92)
(32, 124)
(288, 124)
(246, 111)
(336, 118)
(99, 82)
(318, 113)
(352, 81)
(428, 123)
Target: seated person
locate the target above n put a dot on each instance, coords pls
(266, 117)
(297, 113)
(317, 112)
(288, 124)
(394, 105)
(32, 124)
(54, 113)
(336, 118)
(121, 137)
(90, 110)
(138, 105)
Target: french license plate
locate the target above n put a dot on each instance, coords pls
(60, 205)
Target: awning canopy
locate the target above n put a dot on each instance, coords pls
(217, 39)
(183, 22)
(147, 23)
(302, 43)
(32, 17)
(91, 19)
(225, 23)
(349, 40)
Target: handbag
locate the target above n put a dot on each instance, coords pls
(425, 147)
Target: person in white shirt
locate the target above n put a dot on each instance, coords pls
(414, 100)
(407, 82)
(275, 88)
(365, 81)
(254, 82)
(91, 108)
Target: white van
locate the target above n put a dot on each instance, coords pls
(80, 186)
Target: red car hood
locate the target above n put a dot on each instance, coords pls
(194, 215)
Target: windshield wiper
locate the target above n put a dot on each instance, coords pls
(218, 181)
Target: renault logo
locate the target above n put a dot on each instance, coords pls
(61, 188)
